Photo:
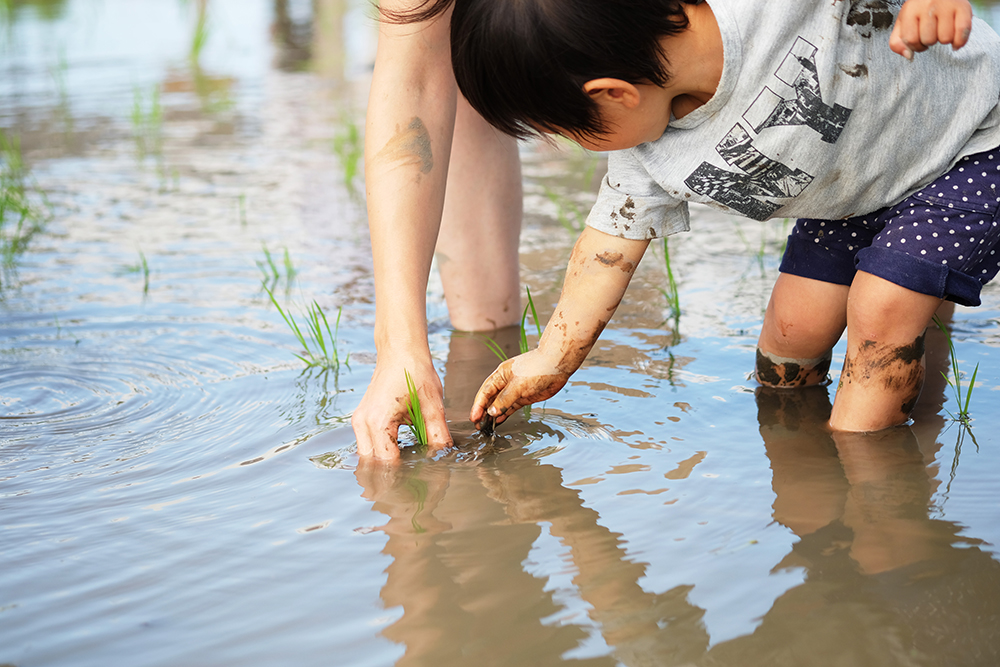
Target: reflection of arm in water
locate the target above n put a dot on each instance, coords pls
(419, 134)
(598, 273)
(642, 627)
(457, 570)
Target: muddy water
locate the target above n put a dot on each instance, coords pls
(176, 488)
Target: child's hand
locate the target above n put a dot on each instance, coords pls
(525, 379)
(923, 23)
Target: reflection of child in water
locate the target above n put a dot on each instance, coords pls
(766, 110)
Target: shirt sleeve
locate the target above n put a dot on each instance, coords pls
(631, 205)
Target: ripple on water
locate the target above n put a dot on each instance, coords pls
(105, 401)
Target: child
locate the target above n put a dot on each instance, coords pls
(766, 109)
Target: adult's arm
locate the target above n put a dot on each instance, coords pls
(408, 135)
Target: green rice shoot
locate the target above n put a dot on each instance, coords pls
(417, 424)
(24, 210)
(672, 293)
(963, 396)
(319, 340)
(534, 317)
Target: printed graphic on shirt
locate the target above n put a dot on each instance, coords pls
(798, 70)
(763, 176)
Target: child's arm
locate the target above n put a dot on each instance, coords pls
(599, 271)
(923, 23)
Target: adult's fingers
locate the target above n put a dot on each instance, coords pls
(432, 407)
(376, 434)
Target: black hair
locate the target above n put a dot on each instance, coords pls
(522, 63)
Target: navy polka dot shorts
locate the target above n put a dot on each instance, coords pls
(943, 240)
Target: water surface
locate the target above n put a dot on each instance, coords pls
(177, 488)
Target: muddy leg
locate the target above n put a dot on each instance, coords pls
(804, 320)
(884, 367)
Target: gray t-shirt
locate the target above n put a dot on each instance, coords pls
(814, 117)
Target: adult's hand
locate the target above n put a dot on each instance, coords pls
(384, 407)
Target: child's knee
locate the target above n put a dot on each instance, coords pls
(884, 312)
(773, 370)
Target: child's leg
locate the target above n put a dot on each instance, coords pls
(884, 367)
(804, 320)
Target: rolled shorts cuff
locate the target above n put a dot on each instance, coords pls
(920, 275)
(808, 259)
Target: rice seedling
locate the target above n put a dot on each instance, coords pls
(349, 148)
(522, 334)
(569, 214)
(140, 267)
(200, 36)
(672, 293)
(417, 424)
(24, 209)
(268, 267)
(495, 348)
(963, 396)
(757, 253)
(534, 318)
(290, 270)
(147, 124)
(272, 272)
(522, 344)
(319, 342)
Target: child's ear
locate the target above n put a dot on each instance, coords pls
(614, 91)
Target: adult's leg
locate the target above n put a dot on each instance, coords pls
(804, 320)
(884, 366)
(477, 248)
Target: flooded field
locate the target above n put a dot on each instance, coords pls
(178, 488)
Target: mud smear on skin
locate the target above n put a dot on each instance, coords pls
(613, 259)
(789, 374)
(410, 146)
(898, 366)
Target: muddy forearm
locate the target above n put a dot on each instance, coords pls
(599, 271)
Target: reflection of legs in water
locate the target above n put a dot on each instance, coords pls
(457, 571)
(807, 478)
(643, 628)
(876, 484)
(889, 500)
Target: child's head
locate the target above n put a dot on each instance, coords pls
(522, 64)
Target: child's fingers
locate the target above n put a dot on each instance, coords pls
(927, 34)
(487, 392)
(905, 36)
(963, 26)
(507, 402)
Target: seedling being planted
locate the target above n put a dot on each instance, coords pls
(319, 341)
(417, 424)
(962, 396)
(524, 317)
